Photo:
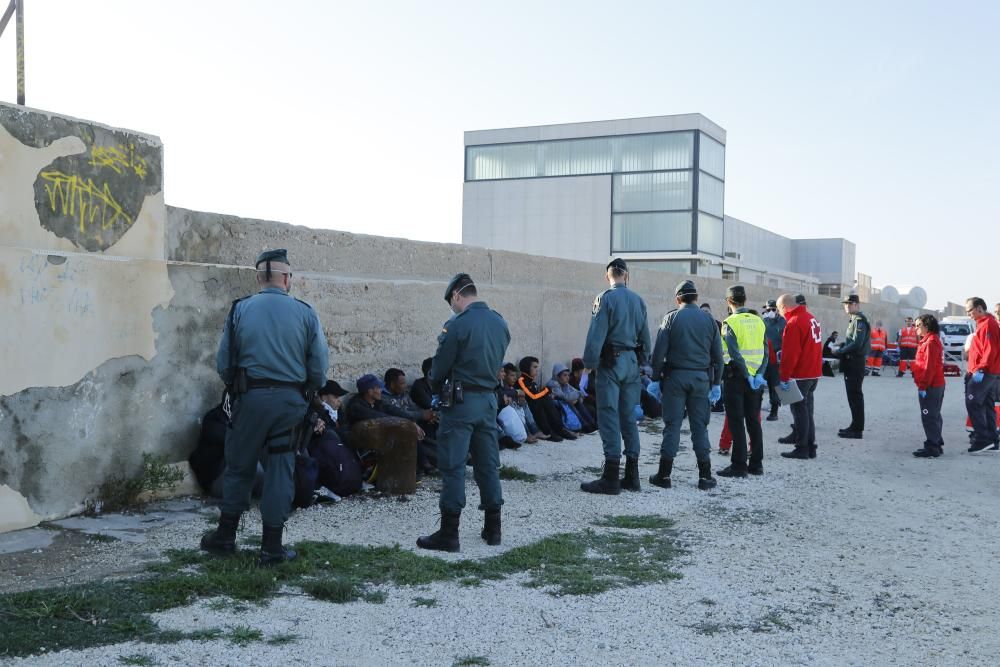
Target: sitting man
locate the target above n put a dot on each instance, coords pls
(564, 392)
(547, 414)
(329, 400)
(420, 390)
(396, 395)
(368, 404)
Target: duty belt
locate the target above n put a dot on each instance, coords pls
(254, 383)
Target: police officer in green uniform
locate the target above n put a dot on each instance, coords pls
(774, 328)
(273, 351)
(617, 345)
(463, 372)
(744, 353)
(687, 360)
(853, 355)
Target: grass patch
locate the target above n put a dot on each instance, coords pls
(227, 604)
(424, 602)
(140, 659)
(644, 522)
(707, 628)
(472, 660)
(515, 473)
(618, 552)
(282, 639)
(122, 491)
(241, 635)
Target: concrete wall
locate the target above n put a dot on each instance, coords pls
(113, 319)
(559, 217)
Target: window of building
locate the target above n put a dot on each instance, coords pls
(670, 266)
(710, 231)
(656, 191)
(710, 194)
(650, 232)
(712, 156)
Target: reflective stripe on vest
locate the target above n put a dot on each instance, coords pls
(749, 330)
(908, 337)
(879, 338)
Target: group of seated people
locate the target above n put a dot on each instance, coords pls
(528, 410)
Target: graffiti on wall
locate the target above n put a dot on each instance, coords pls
(94, 197)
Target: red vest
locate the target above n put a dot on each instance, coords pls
(879, 340)
(908, 337)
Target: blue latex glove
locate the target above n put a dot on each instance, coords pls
(977, 377)
(654, 390)
(922, 394)
(760, 381)
(785, 386)
(752, 381)
(715, 394)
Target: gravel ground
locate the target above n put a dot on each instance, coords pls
(864, 556)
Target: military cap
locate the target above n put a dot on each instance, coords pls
(453, 284)
(617, 263)
(366, 382)
(800, 299)
(278, 255)
(853, 298)
(736, 292)
(685, 287)
(332, 388)
(771, 303)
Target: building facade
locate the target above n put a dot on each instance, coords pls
(650, 190)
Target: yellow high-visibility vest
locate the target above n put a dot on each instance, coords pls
(749, 330)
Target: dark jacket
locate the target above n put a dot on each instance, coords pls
(421, 393)
(358, 410)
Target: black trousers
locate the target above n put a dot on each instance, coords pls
(802, 413)
(930, 416)
(547, 415)
(743, 412)
(773, 379)
(854, 376)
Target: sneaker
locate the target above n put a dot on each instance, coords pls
(849, 434)
(984, 447)
(928, 453)
(730, 471)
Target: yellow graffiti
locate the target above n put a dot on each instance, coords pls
(84, 200)
(119, 158)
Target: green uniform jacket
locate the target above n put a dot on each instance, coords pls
(471, 348)
(619, 320)
(688, 339)
(858, 339)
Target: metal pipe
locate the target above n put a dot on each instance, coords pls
(20, 52)
(7, 14)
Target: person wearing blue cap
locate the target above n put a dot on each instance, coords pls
(687, 361)
(471, 348)
(617, 345)
(273, 351)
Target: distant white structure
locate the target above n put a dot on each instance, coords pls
(650, 190)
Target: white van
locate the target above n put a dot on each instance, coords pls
(955, 331)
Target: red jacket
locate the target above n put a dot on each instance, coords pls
(801, 347)
(984, 354)
(928, 367)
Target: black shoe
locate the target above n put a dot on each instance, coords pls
(754, 470)
(491, 528)
(705, 479)
(271, 551)
(773, 416)
(567, 435)
(812, 451)
(446, 537)
(789, 439)
(988, 447)
(608, 483)
(555, 438)
(797, 453)
(222, 540)
(662, 476)
(730, 471)
(849, 434)
(929, 452)
(631, 479)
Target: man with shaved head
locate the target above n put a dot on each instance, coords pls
(801, 363)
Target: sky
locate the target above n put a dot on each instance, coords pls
(875, 121)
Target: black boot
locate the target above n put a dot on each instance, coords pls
(271, 551)
(797, 453)
(928, 452)
(773, 417)
(631, 481)
(812, 451)
(491, 528)
(789, 439)
(662, 476)
(446, 537)
(608, 483)
(222, 540)
(705, 479)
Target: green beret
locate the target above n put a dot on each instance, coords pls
(685, 287)
(279, 255)
(453, 285)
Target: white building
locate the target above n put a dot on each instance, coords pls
(650, 190)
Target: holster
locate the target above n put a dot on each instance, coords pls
(608, 356)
